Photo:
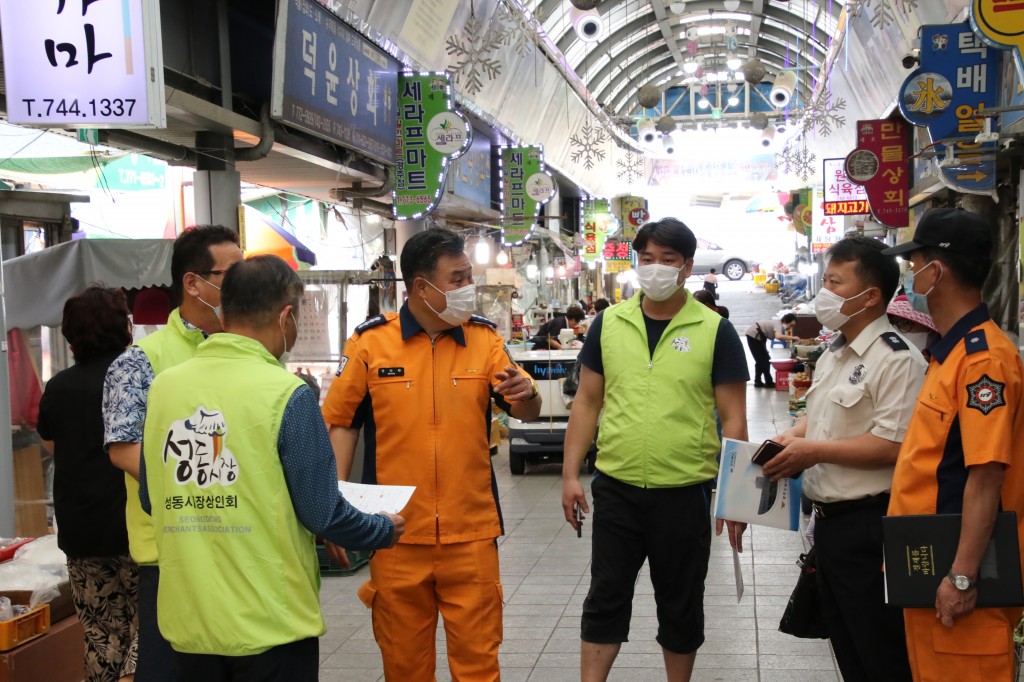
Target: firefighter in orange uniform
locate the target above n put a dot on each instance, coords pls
(420, 385)
(962, 453)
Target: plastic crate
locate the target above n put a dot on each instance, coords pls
(357, 558)
(781, 380)
(22, 628)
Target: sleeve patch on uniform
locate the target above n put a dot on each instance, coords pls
(341, 367)
(480, 319)
(375, 321)
(976, 341)
(894, 341)
(985, 394)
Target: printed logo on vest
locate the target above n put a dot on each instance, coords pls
(681, 344)
(985, 394)
(197, 446)
(341, 367)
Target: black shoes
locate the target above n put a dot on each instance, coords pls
(759, 384)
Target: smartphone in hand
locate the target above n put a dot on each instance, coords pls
(578, 512)
(766, 452)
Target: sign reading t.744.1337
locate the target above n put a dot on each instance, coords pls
(83, 63)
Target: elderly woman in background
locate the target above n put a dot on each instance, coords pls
(88, 491)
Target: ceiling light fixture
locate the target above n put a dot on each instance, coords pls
(690, 66)
(733, 62)
(734, 101)
(732, 5)
(703, 103)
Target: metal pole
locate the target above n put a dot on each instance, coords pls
(6, 433)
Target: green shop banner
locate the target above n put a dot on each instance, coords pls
(525, 187)
(430, 134)
(597, 222)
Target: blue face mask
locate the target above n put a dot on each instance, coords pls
(918, 302)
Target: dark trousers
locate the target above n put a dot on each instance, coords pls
(293, 662)
(867, 635)
(156, 657)
(762, 360)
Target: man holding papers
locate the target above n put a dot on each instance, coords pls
(962, 453)
(857, 414)
(239, 477)
(420, 384)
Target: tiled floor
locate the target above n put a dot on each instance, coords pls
(545, 572)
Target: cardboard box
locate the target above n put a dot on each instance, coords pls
(29, 493)
(57, 656)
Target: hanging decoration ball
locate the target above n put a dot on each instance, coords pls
(691, 48)
(678, 7)
(732, 5)
(753, 71)
(704, 90)
(692, 33)
(759, 120)
(648, 96)
(699, 73)
(666, 124)
(585, 4)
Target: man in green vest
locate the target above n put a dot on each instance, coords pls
(239, 475)
(199, 261)
(658, 365)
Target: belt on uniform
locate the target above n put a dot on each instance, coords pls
(828, 510)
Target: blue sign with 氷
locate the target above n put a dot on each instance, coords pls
(332, 82)
(471, 172)
(958, 78)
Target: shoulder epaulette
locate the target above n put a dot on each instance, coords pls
(975, 341)
(894, 341)
(480, 319)
(375, 321)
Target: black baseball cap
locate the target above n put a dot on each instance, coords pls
(951, 229)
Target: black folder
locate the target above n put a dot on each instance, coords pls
(919, 551)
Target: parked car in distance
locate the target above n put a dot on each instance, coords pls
(710, 255)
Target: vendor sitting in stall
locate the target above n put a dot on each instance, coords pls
(546, 337)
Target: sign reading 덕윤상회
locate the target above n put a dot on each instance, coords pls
(332, 82)
(83, 63)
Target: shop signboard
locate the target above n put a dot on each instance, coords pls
(826, 229)
(133, 172)
(332, 82)
(430, 134)
(879, 163)
(842, 197)
(596, 219)
(83, 63)
(470, 174)
(525, 187)
(957, 80)
(634, 214)
(618, 256)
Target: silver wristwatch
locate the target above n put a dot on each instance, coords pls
(961, 582)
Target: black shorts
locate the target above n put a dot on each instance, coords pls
(671, 528)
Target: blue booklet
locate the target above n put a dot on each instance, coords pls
(746, 494)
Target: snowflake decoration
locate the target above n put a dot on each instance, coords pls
(797, 161)
(883, 12)
(587, 145)
(631, 168)
(515, 29)
(476, 47)
(825, 116)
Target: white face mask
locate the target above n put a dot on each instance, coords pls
(284, 357)
(658, 282)
(919, 339)
(828, 305)
(459, 304)
(214, 308)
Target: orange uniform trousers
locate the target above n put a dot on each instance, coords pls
(409, 584)
(978, 648)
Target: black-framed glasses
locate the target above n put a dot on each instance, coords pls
(902, 324)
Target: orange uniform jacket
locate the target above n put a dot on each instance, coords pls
(425, 413)
(969, 412)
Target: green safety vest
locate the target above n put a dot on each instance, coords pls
(167, 347)
(658, 427)
(238, 571)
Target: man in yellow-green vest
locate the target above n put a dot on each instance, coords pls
(239, 475)
(199, 261)
(658, 365)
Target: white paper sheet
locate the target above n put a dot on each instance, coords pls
(376, 498)
(739, 574)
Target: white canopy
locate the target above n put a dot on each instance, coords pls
(37, 285)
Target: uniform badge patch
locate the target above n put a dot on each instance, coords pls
(341, 367)
(858, 375)
(985, 394)
(681, 344)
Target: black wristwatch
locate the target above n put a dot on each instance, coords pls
(961, 582)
